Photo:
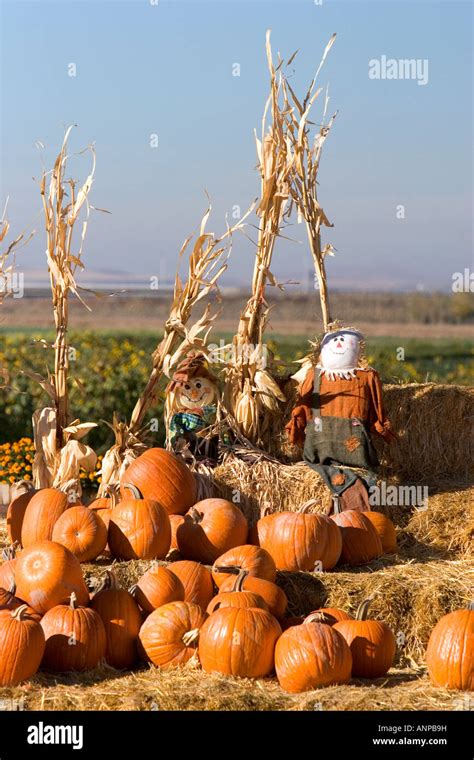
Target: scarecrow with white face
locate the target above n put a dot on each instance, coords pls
(191, 404)
(338, 408)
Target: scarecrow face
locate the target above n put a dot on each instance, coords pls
(341, 352)
(198, 392)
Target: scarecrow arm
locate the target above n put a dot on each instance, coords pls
(377, 420)
(301, 413)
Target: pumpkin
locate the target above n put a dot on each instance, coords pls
(158, 586)
(327, 615)
(386, 531)
(82, 531)
(257, 561)
(237, 597)
(104, 502)
(311, 655)
(163, 477)
(42, 511)
(16, 511)
(8, 601)
(46, 574)
(175, 522)
(210, 528)
(274, 596)
(360, 540)
(169, 636)
(333, 549)
(139, 529)
(75, 638)
(7, 568)
(450, 651)
(372, 643)
(239, 641)
(122, 622)
(196, 580)
(299, 540)
(22, 646)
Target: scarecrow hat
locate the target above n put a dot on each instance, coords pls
(330, 335)
(194, 365)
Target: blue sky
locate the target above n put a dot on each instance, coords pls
(167, 69)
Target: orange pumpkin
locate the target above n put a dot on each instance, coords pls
(311, 655)
(175, 522)
(82, 531)
(42, 511)
(210, 528)
(237, 597)
(450, 651)
(75, 638)
(169, 636)
(196, 580)
(158, 586)
(7, 568)
(386, 531)
(22, 646)
(46, 574)
(372, 643)
(122, 622)
(258, 529)
(139, 529)
(360, 540)
(163, 477)
(8, 601)
(327, 615)
(274, 596)
(255, 560)
(239, 641)
(16, 511)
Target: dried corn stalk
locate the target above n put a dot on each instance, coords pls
(59, 451)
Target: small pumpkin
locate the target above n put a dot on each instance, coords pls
(82, 531)
(372, 643)
(274, 596)
(255, 560)
(360, 541)
(169, 636)
(237, 597)
(386, 531)
(162, 476)
(211, 527)
(42, 511)
(158, 586)
(450, 651)
(239, 641)
(139, 528)
(22, 646)
(46, 574)
(122, 622)
(196, 580)
(311, 655)
(17, 508)
(327, 615)
(75, 638)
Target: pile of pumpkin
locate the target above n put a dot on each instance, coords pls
(49, 618)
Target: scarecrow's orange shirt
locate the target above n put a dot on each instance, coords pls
(359, 397)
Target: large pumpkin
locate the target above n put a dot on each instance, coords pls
(386, 531)
(42, 511)
(372, 643)
(75, 638)
(274, 596)
(196, 580)
(211, 527)
(46, 574)
(158, 586)
(16, 511)
(82, 531)
(122, 621)
(255, 560)
(139, 529)
(22, 646)
(239, 641)
(450, 651)
(299, 540)
(311, 655)
(169, 636)
(237, 597)
(360, 540)
(163, 477)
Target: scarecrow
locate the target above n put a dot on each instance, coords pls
(338, 408)
(191, 407)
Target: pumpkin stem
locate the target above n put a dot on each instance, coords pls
(265, 510)
(133, 589)
(363, 608)
(72, 601)
(195, 515)
(18, 613)
(304, 509)
(239, 581)
(231, 569)
(319, 617)
(135, 491)
(190, 637)
(109, 581)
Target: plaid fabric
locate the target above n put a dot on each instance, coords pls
(182, 423)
